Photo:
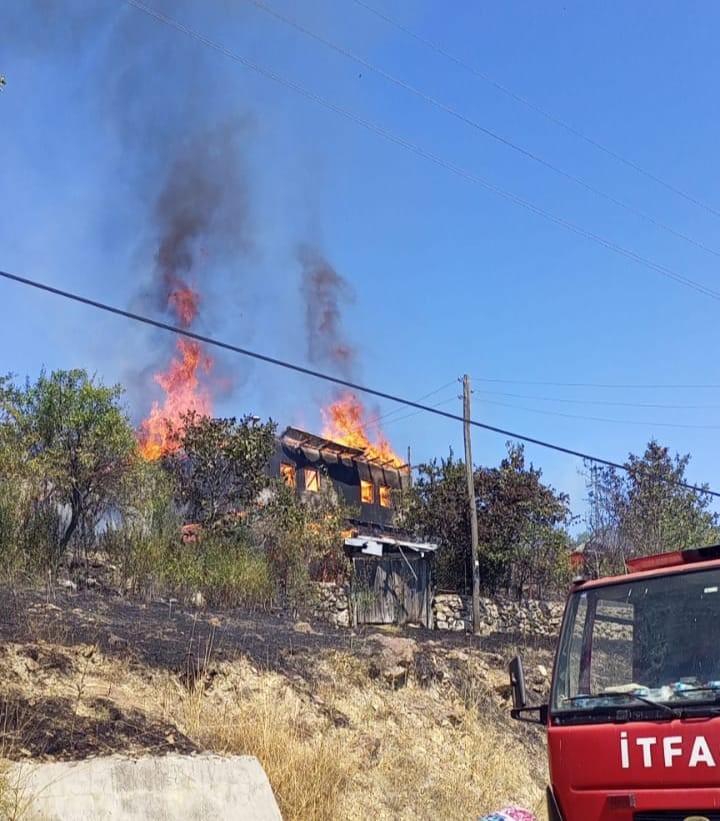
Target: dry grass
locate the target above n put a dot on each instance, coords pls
(14, 800)
(307, 766)
(336, 742)
(349, 747)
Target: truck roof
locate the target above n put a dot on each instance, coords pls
(676, 561)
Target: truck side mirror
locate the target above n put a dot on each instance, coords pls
(517, 683)
(520, 710)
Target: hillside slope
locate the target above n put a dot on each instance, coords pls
(349, 724)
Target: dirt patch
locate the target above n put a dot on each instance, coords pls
(64, 729)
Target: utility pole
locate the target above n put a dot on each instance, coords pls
(473, 507)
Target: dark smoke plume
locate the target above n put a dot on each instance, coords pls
(324, 291)
(202, 206)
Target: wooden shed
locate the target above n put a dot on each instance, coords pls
(390, 580)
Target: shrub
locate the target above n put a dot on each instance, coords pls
(227, 572)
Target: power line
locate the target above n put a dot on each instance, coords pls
(385, 416)
(534, 107)
(622, 385)
(607, 402)
(416, 412)
(453, 112)
(459, 171)
(165, 326)
(601, 418)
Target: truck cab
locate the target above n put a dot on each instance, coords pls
(633, 721)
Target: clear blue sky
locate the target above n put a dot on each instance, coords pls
(448, 277)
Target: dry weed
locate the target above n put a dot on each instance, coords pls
(14, 724)
(336, 744)
(308, 767)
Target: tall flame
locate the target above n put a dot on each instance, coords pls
(345, 422)
(181, 383)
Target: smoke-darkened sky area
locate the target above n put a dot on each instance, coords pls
(213, 164)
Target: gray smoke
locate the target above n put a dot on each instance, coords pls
(202, 208)
(324, 292)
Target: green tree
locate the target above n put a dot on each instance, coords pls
(303, 538)
(220, 464)
(436, 508)
(644, 510)
(76, 448)
(11, 456)
(520, 524)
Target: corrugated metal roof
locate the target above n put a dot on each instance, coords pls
(364, 541)
(294, 437)
(316, 447)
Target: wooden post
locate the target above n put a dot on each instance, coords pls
(473, 507)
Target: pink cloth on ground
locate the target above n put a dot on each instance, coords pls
(510, 814)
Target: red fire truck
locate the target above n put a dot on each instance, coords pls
(633, 721)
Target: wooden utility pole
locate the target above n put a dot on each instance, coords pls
(473, 507)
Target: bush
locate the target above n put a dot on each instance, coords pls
(141, 534)
(11, 557)
(302, 539)
(29, 532)
(228, 573)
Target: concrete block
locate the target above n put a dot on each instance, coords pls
(162, 788)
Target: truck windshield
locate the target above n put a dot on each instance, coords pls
(641, 643)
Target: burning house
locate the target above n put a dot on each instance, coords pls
(390, 573)
(201, 205)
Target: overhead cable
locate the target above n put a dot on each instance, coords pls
(606, 402)
(459, 171)
(385, 416)
(534, 107)
(621, 385)
(600, 418)
(453, 112)
(271, 360)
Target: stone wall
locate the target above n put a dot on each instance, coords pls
(453, 612)
(331, 603)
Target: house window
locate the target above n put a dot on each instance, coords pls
(366, 492)
(384, 494)
(287, 474)
(312, 480)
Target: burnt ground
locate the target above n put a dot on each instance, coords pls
(164, 635)
(50, 638)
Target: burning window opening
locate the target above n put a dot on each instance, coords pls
(312, 480)
(384, 495)
(287, 474)
(367, 495)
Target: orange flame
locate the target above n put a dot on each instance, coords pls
(181, 383)
(345, 422)
(185, 301)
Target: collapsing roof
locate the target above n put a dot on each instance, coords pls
(317, 449)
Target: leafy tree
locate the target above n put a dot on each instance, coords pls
(11, 457)
(147, 526)
(303, 538)
(436, 507)
(220, 464)
(75, 446)
(520, 526)
(520, 523)
(644, 510)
